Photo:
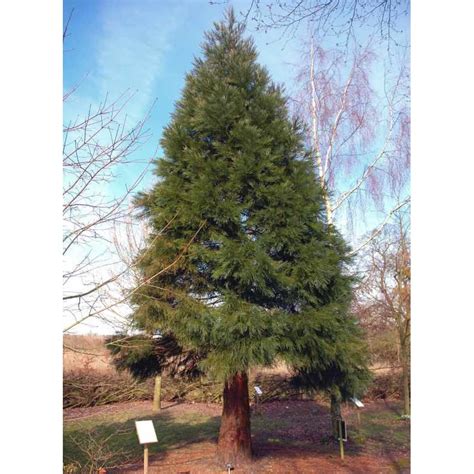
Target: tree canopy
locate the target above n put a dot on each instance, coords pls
(241, 263)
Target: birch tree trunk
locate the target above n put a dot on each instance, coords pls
(345, 123)
(315, 137)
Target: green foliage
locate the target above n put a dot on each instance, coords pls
(346, 373)
(247, 268)
(136, 354)
(145, 357)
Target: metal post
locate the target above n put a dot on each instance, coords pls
(341, 442)
(145, 464)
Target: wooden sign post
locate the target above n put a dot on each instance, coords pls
(342, 435)
(157, 394)
(145, 459)
(146, 434)
(359, 405)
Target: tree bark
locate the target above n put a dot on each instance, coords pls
(316, 144)
(335, 413)
(406, 379)
(157, 394)
(235, 442)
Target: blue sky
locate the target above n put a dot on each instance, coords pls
(146, 46)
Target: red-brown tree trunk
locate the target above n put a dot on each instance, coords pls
(235, 442)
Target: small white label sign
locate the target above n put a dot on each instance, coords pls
(357, 402)
(258, 390)
(146, 432)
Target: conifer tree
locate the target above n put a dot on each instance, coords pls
(344, 375)
(247, 269)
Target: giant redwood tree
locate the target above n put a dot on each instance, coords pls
(240, 263)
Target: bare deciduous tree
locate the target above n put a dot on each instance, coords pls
(361, 148)
(97, 150)
(360, 143)
(385, 290)
(99, 179)
(331, 17)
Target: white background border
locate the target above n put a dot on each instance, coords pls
(442, 206)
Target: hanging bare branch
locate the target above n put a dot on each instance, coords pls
(142, 283)
(340, 19)
(67, 24)
(99, 150)
(347, 119)
(380, 227)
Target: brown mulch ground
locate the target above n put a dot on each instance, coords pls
(200, 459)
(304, 448)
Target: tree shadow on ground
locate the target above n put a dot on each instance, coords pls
(296, 427)
(290, 431)
(116, 443)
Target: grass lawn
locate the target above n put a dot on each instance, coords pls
(110, 439)
(106, 437)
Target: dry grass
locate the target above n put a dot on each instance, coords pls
(90, 379)
(86, 353)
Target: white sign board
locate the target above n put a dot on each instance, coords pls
(258, 390)
(146, 432)
(357, 402)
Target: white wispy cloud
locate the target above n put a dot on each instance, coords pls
(132, 42)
